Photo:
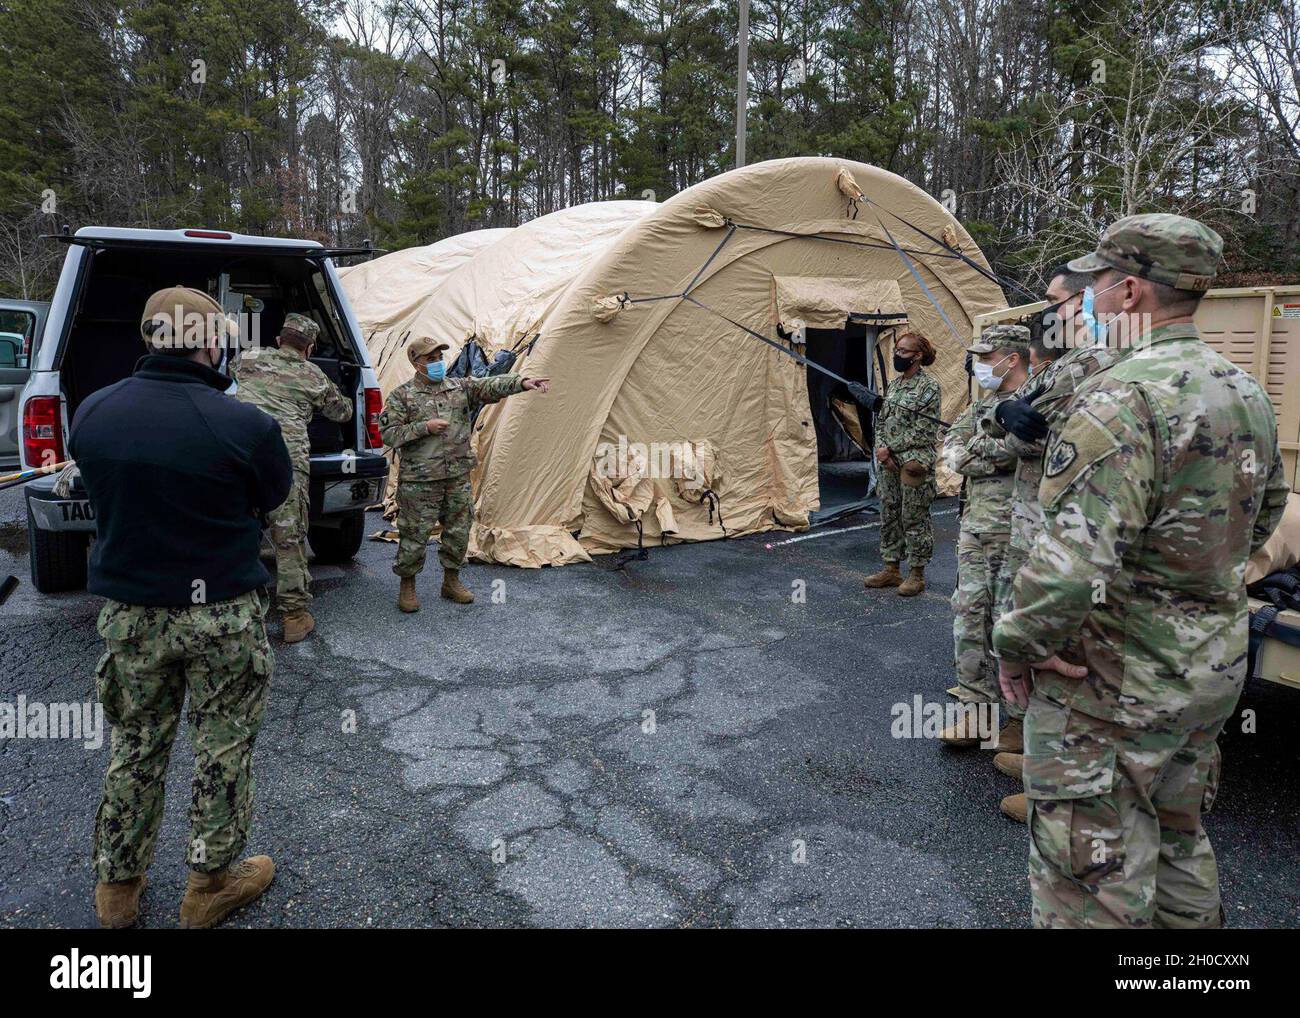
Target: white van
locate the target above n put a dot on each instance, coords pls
(92, 339)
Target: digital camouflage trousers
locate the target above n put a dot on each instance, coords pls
(906, 530)
(219, 654)
(288, 525)
(974, 610)
(423, 505)
(1115, 822)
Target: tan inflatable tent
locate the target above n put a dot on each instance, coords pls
(667, 420)
(387, 290)
(500, 293)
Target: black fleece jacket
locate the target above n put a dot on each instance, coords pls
(179, 475)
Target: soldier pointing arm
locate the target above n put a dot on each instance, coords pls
(429, 419)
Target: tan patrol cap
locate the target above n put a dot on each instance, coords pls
(179, 317)
(418, 348)
(1174, 250)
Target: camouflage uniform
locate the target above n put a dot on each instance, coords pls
(1162, 481)
(291, 389)
(987, 465)
(904, 508)
(433, 483)
(219, 652)
(1055, 384)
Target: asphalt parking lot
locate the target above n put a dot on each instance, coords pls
(680, 742)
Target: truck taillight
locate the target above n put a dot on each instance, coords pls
(374, 407)
(42, 432)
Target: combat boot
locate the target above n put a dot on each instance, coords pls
(914, 584)
(210, 897)
(1012, 737)
(1010, 764)
(964, 732)
(1015, 807)
(297, 625)
(453, 589)
(407, 599)
(118, 904)
(887, 577)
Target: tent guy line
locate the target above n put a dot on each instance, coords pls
(842, 530)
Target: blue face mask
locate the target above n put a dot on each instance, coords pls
(1097, 331)
(436, 371)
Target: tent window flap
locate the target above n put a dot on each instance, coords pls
(828, 302)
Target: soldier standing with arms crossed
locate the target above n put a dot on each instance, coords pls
(285, 384)
(1131, 607)
(1000, 364)
(178, 473)
(429, 420)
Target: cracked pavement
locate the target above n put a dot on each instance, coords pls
(677, 743)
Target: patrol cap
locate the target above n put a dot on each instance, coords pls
(1173, 250)
(424, 346)
(179, 317)
(1011, 338)
(301, 324)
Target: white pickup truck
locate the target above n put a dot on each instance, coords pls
(92, 339)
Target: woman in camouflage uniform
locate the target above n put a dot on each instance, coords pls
(905, 450)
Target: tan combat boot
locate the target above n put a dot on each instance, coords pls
(1015, 807)
(964, 732)
(1012, 737)
(297, 625)
(118, 904)
(887, 577)
(914, 584)
(1010, 764)
(407, 599)
(210, 897)
(453, 589)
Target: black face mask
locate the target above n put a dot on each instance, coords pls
(901, 363)
(1047, 327)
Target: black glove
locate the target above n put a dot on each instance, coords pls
(1021, 419)
(864, 397)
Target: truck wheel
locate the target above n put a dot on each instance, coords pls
(58, 559)
(338, 544)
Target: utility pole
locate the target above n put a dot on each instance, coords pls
(742, 83)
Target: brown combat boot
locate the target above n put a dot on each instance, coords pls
(407, 599)
(1012, 737)
(887, 577)
(118, 904)
(964, 732)
(453, 589)
(210, 897)
(914, 584)
(1015, 807)
(297, 625)
(1010, 764)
